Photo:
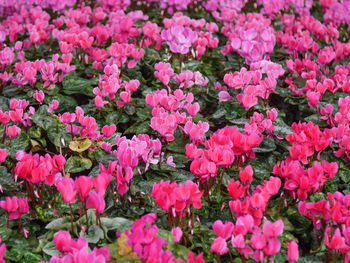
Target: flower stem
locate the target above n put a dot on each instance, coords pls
(86, 216)
(71, 216)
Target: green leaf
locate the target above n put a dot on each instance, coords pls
(44, 121)
(34, 132)
(241, 121)
(281, 128)
(68, 104)
(76, 164)
(181, 176)
(56, 224)
(12, 91)
(55, 133)
(73, 84)
(4, 102)
(5, 233)
(117, 224)
(14, 254)
(344, 175)
(6, 181)
(167, 235)
(138, 128)
(267, 145)
(50, 249)
(32, 258)
(178, 145)
(219, 113)
(192, 64)
(116, 117)
(95, 233)
(129, 109)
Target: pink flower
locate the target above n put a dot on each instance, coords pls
(39, 96)
(15, 206)
(273, 229)
(84, 185)
(177, 233)
(99, 102)
(293, 251)
(223, 230)
(68, 117)
(108, 130)
(67, 188)
(13, 131)
(96, 200)
(273, 247)
(246, 175)
(101, 182)
(3, 155)
(170, 162)
(224, 96)
(219, 246)
(53, 105)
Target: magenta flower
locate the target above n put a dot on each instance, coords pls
(96, 200)
(293, 251)
(84, 185)
(219, 246)
(39, 96)
(68, 189)
(179, 38)
(3, 155)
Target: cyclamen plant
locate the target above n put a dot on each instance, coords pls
(174, 131)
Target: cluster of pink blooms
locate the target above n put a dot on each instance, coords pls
(38, 169)
(340, 123)
(177, 199)
(140, 147)
(261, 124)
(151, 33)
(252, 83)
(143, 239)
(176, 102)
(253, 204)
(297, 34)
(77, 250)
(128, 153)
(69, 188)
(329, 215)
(17, 115)
(223, 10)
(10, 7)
(186, 78)
(252, 37)
(34, 22)
(50, 72)
(336, 12)
(171, 5)
(110, 84)
(273, 7)
(122, 52)
(300, 182)
(15, 206)
(181, 32)
(222, 149)
(167, 117)
(249, 240)
(314, 88)
(306, 140)
(120, 27)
